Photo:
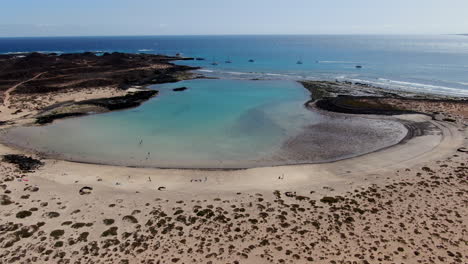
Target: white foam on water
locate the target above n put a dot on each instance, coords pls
(27, 52)
(420, 87)
(274, 74)
(236, 73)
(17, 52)
(48, 52)
(379, 82)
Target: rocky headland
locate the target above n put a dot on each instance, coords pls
(51, 86)
(361, 98)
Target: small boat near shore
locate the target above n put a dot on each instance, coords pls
(299, 61)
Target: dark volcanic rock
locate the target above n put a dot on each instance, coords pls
(179, 89)
(50, 118)
(121, 102)
(86, 70)
(354, 105)
(168, 75)
(23, 162)
(381, 105)
(110, 104)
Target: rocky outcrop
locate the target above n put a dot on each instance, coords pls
(358, 105)
(24, 163)
(42, 120)
(362, 98)
(121, 102)
(102, 105)
(180, 89)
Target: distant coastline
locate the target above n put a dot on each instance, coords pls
(323, 57)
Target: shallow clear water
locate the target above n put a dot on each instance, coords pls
(437, 64)
(214, 121)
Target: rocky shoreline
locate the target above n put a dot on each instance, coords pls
(100, 105)
(359, 98)
(31, 83)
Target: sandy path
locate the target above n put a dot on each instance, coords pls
(6, 100)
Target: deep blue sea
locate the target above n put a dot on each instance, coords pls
(435, 64)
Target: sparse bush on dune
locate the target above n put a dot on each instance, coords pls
(23, 214)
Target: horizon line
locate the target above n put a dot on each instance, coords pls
(257, 34)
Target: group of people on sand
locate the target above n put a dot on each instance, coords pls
(199, 180)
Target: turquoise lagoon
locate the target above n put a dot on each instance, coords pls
(215, 123)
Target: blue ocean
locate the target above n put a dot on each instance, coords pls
(433, 64)
(235, 121)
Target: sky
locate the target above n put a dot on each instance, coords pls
(27, 18)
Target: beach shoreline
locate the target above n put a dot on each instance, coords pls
(397, 132)
(303, 148)
(404, 203)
